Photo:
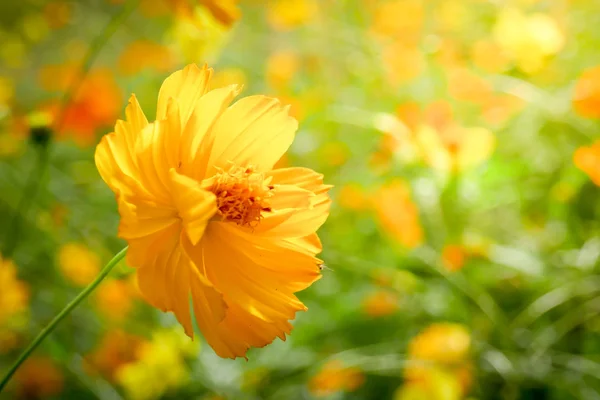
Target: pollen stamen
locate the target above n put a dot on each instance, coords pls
(242, 195)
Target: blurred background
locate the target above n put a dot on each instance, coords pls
(462, 250)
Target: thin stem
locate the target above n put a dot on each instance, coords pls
(48, 329)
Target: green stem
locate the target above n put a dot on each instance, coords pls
(48, 329)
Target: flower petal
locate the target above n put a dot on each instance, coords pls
(195, 205)
(187, 86)
(303, 222)
(256, 130)
(258, 286)
(115, 158)
(207, 110)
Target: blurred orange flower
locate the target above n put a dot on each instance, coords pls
(335, 377)
(78, 263)
(115, 298)
(380, 303)
(57, 13)
(116, 349)
(464, 85)
(586, 99)
(142, 54)
(284, 15)
(587, 159)
(453, 257)
(198, 197)
(397, 213)
(224, 11)
(38, 378)
(95, 104)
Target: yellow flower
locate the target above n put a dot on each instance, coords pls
(455, 148)
(158, 366)
(14, 295)
(528, 39)
(442, 342)
(78, 263)
(436, 384)
(205, 215)
(335, 376)
(400, 19)
(440, 352)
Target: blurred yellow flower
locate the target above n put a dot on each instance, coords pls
(400, 19)
(115, 298)
(436, 384)
(14, 303)
(335, 377)
(38, 378)
(198, 36)
(352, 197)
(402, 63)
(587, 159)
(14, 296)
(78, 263)
(397, 213)
(528, 39)
(439, 360)
(204, 214)
(116, 349)
(289, 14)
(281, 67)
(586, 98)
(488, 56)
(142, 54)
(456, 148)
(159, 366)
(443, 343)
(380, 303)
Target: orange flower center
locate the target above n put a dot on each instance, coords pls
(242, 195)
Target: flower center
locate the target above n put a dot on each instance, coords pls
(242, 195)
